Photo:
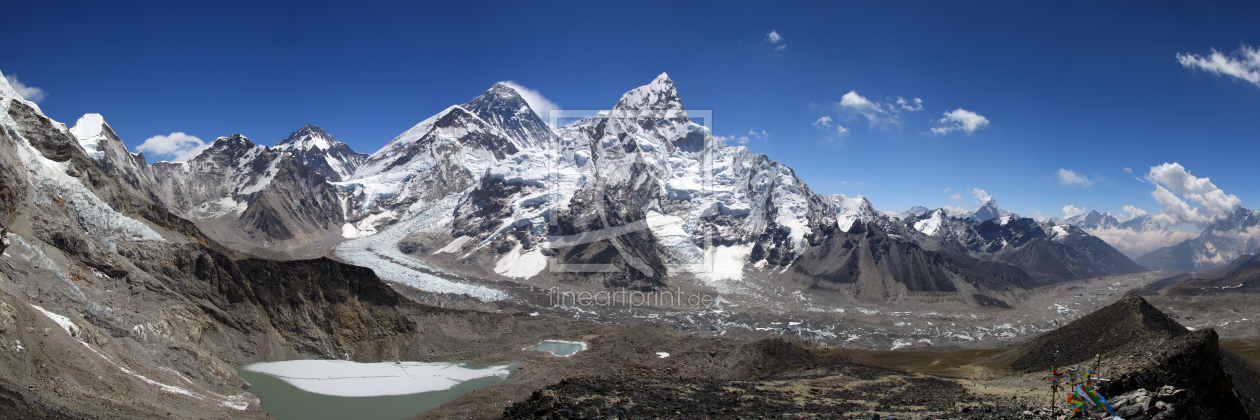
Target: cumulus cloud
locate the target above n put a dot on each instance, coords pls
(1070, 210)
(1070, 178)
(29, 93)
(740, 139)
(961, 120)
(1173, 182)
(774, 37)
(956, 196)
(841, 130)
(914, 104)
(1038, 217)
(981, 196)
(179, 146)
(1133, 243)
(536, 100)
(1133, 211)
(824, 122)
(762, 135)
(1244, 64)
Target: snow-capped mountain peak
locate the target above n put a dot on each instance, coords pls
(323, 153)
(990, 210)
(309, 137)
(90, 130)
(853, 209)
(503, 107)
(658, 95)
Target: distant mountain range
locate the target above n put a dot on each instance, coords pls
(491, 184)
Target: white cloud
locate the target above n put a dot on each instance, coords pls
(842, 130)
(728, 139)
(29, 93)
(762, 135)
(1070, 210)
(781, 47)
(1133, 243)
(914, 104)
(1069, 178)
(956, 196)
(961, 119)
(1133, 211)
(823, 122)
(876, 113)
(1038, 217)
(1172, 180)
(1245, 64)
(981, 196)
(179, 146)
(774, 37)
(536, 100)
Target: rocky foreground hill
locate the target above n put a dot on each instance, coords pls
(1155, 368)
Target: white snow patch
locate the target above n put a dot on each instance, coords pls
(455, 245)
(521, 264)
(344, 378)
(662, 354)
(64, 322)
(89, 131)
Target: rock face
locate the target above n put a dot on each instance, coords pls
(104, 293)
(1240, 277)
(1220, 243)
(245, 195)
(319, 151)
(1050, 252)
(1142, 348)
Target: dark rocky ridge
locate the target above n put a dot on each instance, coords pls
(1142, 348)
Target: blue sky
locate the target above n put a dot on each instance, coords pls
(1080, 87)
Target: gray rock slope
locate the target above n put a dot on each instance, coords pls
(259, 200)
(112, 306)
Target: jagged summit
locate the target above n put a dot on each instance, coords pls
(658, 95)
(989, 211)
(90, 130)
(503, 107)
(309, 137)
(323, 153)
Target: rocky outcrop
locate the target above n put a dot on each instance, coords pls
(1141, 348)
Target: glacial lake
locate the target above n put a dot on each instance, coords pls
(559, 348)
(340, 389)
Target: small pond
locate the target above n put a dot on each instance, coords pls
(560, 348)
(339, 389)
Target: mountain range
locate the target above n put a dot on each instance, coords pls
(638, 193)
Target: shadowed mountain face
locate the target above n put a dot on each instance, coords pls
(868, 264)
(1241, 277)
(1050, 252)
